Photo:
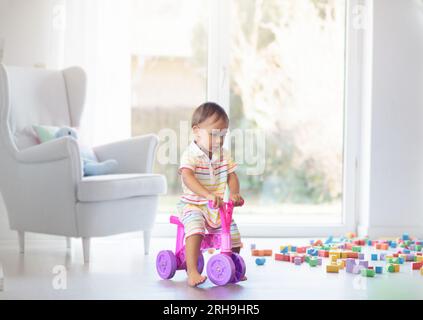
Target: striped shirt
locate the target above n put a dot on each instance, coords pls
(211, 173)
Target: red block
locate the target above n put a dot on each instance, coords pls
(301, 249)
(417, 265)
(323, 253)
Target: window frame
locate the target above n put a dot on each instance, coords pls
(218, 90)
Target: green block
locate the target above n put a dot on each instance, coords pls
(390, 268)
(312, 262)
(356, 249)
(368, 273)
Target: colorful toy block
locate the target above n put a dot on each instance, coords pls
(301, 249)
(341, 264)
(260, 261)
(374, 256)
(356, 249)
(298, 261)
(364, 263)
(416, 265)
(379, 269)
(350, 235)
(361, 256)
(261, 253)
(405, 236)
(323, 253)
(330, 268)
(313, 261)
(368, 273)
(253, 246)
(421, 271)
(390, 268)
(282, 257)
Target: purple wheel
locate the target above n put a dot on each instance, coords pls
(183, 263)
(200, 265)
(240, 267)
(220, 269)
(166, 264)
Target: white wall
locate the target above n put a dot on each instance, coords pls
(30, 32)
(29, 39)
(395, 184)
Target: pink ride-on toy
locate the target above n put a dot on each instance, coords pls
(223, 268)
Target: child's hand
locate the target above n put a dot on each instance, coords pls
(237, 199)
(217, 201)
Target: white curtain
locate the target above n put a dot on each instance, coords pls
(97, 38)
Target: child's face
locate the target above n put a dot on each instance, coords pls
(210, 134)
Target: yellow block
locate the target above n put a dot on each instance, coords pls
(397, 267)
(341, 264)
(421, 271)
(344, 255)
(419, 259)
(388, 257)
(335, 253)
(330, 268)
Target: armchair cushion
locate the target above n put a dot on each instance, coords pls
(120, 186)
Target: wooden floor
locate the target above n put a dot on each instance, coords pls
(119, 270)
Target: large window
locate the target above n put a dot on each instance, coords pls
(287, 81)
(286, 74)
(169, 78)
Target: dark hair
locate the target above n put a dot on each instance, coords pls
(207, 110)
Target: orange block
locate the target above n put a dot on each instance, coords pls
(261, 253)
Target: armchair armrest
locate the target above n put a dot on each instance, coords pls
(135, 155)
(54, 150)
(60, 149)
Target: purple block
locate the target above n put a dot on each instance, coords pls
(297, 261)
(350, 265)
(361, 256)
(357, 269)
(382, 256)
(410, 257)
(364, 263)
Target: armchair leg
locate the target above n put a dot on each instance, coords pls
(68, 243)
(21, 237)
(86, 249)
(147, 237)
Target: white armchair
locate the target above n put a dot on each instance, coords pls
(42, 184)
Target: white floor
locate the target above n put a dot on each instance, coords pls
(119, 270)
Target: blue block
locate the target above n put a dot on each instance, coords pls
(379, 269)
(374, 256)
(401, 260)
(329, 240)
(260, 261)
(406, 251)
(293, 249)
(369, 242)
(393, 244)
(405, 236)
(285, 250)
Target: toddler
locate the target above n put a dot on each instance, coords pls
(206, 169)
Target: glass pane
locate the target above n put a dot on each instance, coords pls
(169, 76)
(287, 81)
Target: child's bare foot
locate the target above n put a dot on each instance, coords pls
(244, 278)
(195, 279)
